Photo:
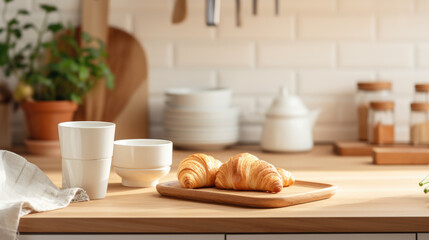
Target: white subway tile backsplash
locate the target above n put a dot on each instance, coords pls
(390, 6)
(409, 27)
(376, 55)
(337, 27)
(160, 27)
(215, 54)
(422, 6)
(403, 81)
(62, 5)
(260, 27)
(139, 6)
(122, 21)
(16, 5)
(347, 109)
(158, 53)
(333, 83)
(307, 6)
(260, 82)
(296, 54)
(162, 79)
(329, 111)
(423, 55)
(156, 109)
(402, 110)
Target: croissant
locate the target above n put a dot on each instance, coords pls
(287, 177)
(198, 170)
(245, 171)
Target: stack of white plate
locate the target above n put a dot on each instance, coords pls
(200, 119)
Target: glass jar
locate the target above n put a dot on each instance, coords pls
(422, 92)
(367, 92)
(419, 123)
(381, 122)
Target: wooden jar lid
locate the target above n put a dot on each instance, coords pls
(382, 105)
(374, 86)
(420, 106)
(422, 87)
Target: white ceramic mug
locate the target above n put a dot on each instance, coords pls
(86, 150)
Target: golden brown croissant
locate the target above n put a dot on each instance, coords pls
(287, 177)
(245, 171)
(198, 170)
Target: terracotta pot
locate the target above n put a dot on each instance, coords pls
(5, 126)
(43, 117)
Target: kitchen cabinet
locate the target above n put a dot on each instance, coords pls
(372, 236)
(123, 237)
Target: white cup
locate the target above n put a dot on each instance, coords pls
(86, 150)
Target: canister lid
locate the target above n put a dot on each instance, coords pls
(419, 106)
(422, 87)
(374, 86)
(382, 105)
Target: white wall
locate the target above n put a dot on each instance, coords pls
(318, 48)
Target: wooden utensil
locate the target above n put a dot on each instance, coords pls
(179, 11)
(94, 22)
(127, 103)
(300, 192)
(401, 156)
(238, 12)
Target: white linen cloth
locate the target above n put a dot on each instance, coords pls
(24, 188)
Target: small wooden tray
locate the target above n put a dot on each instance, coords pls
(364, 149)
(298, 193)
(401, 156)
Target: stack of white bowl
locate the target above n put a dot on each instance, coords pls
(200, 119)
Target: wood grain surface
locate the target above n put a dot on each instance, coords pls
(401, 156)
(370, 198)
(299, 193)
(359, 148)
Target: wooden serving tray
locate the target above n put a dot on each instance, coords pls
(298, 193)
(400, 156)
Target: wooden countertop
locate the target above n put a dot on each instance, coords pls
(369, 199)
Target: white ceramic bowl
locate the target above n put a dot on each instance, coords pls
(206, 134)
(200, 114)
(198, 97)
(142, 153)
(141, 177)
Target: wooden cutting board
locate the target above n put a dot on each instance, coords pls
(300, 192)
(401, 156)
(365, 149)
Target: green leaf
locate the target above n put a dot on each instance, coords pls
(1, 30)
(83, 73)
(12, 22)
(23, 12)
(28, 26)
(75, 98)
(86, 37)
(8, 1)
(17, 33)
(55, 27)
(48, 8)
(4, 57)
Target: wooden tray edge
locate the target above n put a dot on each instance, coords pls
(326, 192)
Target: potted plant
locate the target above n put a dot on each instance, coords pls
(57, 75)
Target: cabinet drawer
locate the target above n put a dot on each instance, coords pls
(375, 236)
(122, 236)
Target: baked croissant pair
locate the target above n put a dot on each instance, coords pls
(243, 171)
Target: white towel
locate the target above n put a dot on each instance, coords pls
(24, 188)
